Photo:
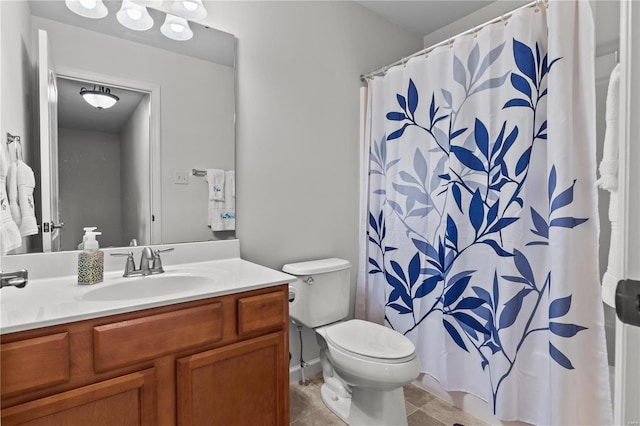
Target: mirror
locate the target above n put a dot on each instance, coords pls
(183, 92)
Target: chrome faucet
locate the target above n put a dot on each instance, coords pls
(146, 258)
(17, 279)
(150, 262)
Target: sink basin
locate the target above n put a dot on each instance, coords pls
(147, 287)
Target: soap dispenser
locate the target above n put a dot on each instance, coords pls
(91, 261)
(84, 237)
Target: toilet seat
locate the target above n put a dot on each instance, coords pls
(371, 342)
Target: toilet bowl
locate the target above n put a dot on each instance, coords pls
(364, 365)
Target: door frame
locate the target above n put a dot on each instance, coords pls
(627, 368)
(155, 180)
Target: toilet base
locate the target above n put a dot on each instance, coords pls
(373, 407)
(340, 406)
(367, 407)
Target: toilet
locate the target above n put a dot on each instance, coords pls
(364, 365)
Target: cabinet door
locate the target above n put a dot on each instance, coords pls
(123, 401)
(241, 384)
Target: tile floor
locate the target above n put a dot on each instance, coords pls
(423, 408)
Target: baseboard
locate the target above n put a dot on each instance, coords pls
(295, 372)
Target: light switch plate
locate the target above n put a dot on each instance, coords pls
(181, 178)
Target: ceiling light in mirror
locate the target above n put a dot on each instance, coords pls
(134, 16)
(189, 9)
(176, 28)
(100, 97)
(93, 9)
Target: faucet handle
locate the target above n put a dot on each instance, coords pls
(128, 254)
(158, 251)
(130, 265)
(157, 261)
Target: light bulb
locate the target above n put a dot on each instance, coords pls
(176, 28)
(94, 9)
(88, 4)
(189, 9)
(190, 5)
(134, 14)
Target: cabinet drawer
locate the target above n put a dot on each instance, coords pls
(261, 313)
(126, 342)
(34, 363)
(125, 400)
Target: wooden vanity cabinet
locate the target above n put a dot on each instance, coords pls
(221, 360)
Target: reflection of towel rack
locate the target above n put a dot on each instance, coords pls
(13, 138)
(197, 172)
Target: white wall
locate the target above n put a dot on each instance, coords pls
(16, 82)
(89, 190)
(479, 17)
(297, 134)
(193, 91)
(16, 72)
(134, 180)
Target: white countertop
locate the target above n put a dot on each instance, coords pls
(57, 300)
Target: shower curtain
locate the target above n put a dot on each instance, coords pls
(482, 231)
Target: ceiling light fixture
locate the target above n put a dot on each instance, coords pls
(134, 16)
(93, 9)
(100, 97)
(176, 28)
(189, 9)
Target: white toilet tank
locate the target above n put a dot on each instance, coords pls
(320, 295)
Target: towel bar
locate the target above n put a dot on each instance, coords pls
(197, 172)
(11, 138)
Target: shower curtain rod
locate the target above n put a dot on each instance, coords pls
(502, 18)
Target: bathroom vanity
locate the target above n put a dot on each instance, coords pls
(215, 353)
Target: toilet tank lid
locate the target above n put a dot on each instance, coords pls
(316, 266)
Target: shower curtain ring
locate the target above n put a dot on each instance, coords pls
(505, 19)
(450, 43)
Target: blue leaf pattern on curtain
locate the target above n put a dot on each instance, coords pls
(475, 193)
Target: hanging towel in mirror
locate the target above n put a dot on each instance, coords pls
(12, 192)
(9, 233)
(215, 178)
(229, 210)
(231, 178)
(26, 183)
(222, 214)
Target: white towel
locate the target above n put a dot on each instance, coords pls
(12, 190)
(9, 233)
(215, 178)
(231, 176)
(609, 181)
(229, 210)
(222, 214)
(26, 183)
